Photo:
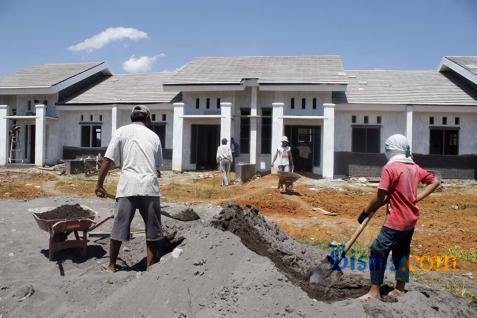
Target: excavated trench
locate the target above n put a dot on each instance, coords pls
(292, 258)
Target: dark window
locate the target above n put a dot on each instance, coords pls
(45, 102)
(164, 117)
(292, 103)
(314, 103)
(160, 130)
(444, 120)
(96, 137)
(353, 119)
(29, 104)
(431, 120)
(218, 102)
(90, 117)
(457, 121)
(444, 141)
(100, 117)
(85, 136)
(366, 139)
(366, 119)
(378, 119)
(303, 103)
(153, 117)
(197, 103)
(245, 131)
(36, 101)
(207, 103)
(90, 136)
(266, 130)
(82, 118)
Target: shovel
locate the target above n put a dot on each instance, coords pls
(321, 274)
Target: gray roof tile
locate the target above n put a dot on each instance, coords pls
(406, 87)
(267, 69)
(45, 75)
(127, 88)
(467, 62)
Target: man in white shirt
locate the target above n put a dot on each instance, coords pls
(224, 160)
(137, 150)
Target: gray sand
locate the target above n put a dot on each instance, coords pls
(216, 276)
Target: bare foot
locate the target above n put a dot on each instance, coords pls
(396, 293)
(370, 296)
(112, 268)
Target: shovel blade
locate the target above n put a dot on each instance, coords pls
(325, 273)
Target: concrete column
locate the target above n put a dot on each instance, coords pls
(277, 125)
(409, 118)
(40, 135)
(226, 120)
(177, 137)
(3, 135)
(253, 125)
(114, 118)
(328, 141)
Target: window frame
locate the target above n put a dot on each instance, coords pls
(245, 126)
(92, 131)
(365, 127)
(444, 147)
(266, 122)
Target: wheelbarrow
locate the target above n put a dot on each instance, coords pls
(59, 229)
(286, 180)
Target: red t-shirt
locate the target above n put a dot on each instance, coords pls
(401, 180)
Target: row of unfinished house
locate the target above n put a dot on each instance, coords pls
(336, 119)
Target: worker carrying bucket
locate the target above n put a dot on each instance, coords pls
(397, 189)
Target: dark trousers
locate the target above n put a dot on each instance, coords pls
(399, 242)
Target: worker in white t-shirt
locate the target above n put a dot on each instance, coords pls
(285, 158)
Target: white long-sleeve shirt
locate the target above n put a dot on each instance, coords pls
(224, 152)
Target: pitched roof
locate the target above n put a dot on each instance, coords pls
(467, 62)
(406, 87)
(45, 75)
(127, 88)
(267, 69)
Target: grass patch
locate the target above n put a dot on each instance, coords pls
(84, 188)
(18, 190)
(461, 254)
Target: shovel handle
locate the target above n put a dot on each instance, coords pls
(357, 233)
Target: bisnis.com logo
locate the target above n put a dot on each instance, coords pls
(425, 263)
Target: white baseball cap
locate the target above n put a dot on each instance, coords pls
(284, 138)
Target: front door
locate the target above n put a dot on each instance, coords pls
(204, 143)
(306, 146)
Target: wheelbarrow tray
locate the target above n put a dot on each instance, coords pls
(288, 177)
(63, 225)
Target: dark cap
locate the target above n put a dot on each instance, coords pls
(141, 109)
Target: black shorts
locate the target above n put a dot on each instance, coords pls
(150, 209)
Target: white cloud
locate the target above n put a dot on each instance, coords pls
(140, 64)
(107, 36)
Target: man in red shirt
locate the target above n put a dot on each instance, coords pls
(398, 186)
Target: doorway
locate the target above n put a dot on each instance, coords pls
(305, 142)
(204, 142)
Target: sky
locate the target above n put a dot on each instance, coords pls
(141, 36)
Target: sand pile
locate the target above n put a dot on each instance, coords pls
(242, 266)
(66, 212)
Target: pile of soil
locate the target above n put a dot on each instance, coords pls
(294, 259)
(67, 212)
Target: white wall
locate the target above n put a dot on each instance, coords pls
(467, 132)
(392, 122)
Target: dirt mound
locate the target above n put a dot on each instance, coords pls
(67, 212)
(294, 259)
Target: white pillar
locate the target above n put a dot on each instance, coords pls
(328, 141)
(253, 125)
(3, 135)
(40, 135)
(226, 121)
(409, 115)
(277, 125)
(177, 137)
(114, 118)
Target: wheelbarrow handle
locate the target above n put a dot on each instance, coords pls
(101, 222)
